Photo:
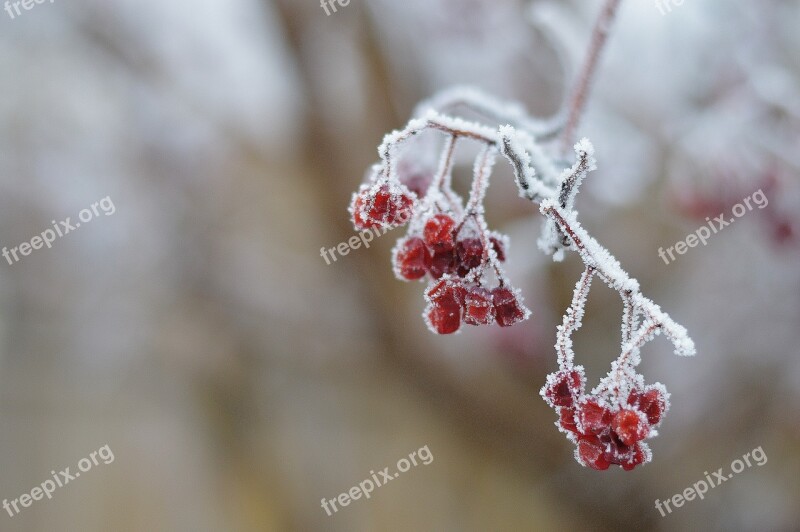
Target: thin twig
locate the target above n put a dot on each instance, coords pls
(583, 84)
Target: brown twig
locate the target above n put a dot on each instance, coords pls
(580, 91)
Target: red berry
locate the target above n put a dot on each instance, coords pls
(563, 387)
(438, 232)
(470, 254)
(499, 248)
(637, 457)
(447, 288)
(442, 262)
(593, 418)
(566, 418)
(629, 427)
(389, 208)
(478, 309)
(412, 259)
(445, 314)
(356, 208)
(591, 453)
(507, 307)
(652, 403)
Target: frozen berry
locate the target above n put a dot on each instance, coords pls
(442, 262)
(566, 418)
(507, 307)
(470, 254)
(478, 309)
(356, 210)
(438, 232)
(412, 259)
(390, 208)
(653, 402)
(563, 387)
(629, 427)
(593, 418)
(637, 456)
(590, 453)
(444, 313)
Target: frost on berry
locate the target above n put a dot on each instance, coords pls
(508, 307)
(450, 246)
(412, 259)
(438, 232)
(478, 306)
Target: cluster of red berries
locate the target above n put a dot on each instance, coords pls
(454, 256)
(605, 434)
(438, 251)
(452, 301)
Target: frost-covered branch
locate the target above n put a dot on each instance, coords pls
(451, 246)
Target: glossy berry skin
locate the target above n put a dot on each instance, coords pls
(413, 259)
(628, 427)
(507, 307)
(438, 232)
(478, 308)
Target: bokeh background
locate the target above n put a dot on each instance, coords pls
(239, 379)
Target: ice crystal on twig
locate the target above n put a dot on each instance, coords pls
(450, 245)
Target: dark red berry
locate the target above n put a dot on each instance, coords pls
(447, 288)
(566, 418)
(563, 388)
(469, 254)
(443, 262)
(591, 453)
(593, 418)
(507, 307)
(499, 248)
(652, 403)
(356, 208)
(413, 259)
(445, 314)
(390, 208)
(629, 427)
(637, 457)
(438, 232)
(478, 308)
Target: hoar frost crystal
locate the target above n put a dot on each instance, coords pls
(450, 245)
